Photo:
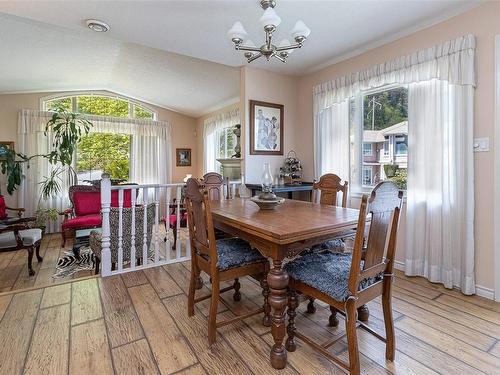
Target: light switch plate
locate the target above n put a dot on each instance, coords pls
(481, 144)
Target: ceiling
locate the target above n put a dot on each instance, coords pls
(141, 55)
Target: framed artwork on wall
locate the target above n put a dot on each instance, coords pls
(183, 157)
(5, 146)
(266, 128)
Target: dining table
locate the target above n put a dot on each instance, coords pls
(281, 234)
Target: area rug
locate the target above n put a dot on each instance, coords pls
(69, 264)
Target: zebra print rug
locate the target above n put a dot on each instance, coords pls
(69, 264)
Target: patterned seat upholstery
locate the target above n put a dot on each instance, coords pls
(335, 246)
(95, 237)
(235, 252)
(328, 272)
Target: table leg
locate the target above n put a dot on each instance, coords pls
(277, 279)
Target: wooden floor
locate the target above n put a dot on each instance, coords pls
(137, 323)
(14, 264)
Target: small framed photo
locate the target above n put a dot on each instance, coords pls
(183, 157)
(266, 128)
(5, 146)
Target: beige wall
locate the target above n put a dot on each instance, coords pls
(199, 131)
(266, 86)
(481, 22)
(183, 130)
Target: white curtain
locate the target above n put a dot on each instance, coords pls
(149, 160)
(440, 211)
(151, 151)
(440, 184)
(212, 127)
(331, 134)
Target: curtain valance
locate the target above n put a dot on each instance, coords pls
(31, 121)
(451, 61)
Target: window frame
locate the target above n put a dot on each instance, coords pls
(73, 95)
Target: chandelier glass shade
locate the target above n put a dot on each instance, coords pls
(269, 21)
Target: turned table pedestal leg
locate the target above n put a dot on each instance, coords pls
(277, 280)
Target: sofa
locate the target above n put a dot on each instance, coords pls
(85, 210)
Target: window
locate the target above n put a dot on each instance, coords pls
(402, 145)
(386, 148)
(227, 141)
(101, 105)
(367, 176)
(379, 120)
(99, 153)
(367, 149)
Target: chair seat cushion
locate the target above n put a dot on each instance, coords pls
(327, 272)
(335, 246)
(28, 236)
(172, 219)
(86, 221)
(235, 252)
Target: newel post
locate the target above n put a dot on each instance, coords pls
(105, 208)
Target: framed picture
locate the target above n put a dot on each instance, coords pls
(266, 128)
(4, 147)
(183, 157)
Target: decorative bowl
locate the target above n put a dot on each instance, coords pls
(266, 204)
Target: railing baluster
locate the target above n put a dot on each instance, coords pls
(105, 207)
(133, 196)
(145, 227)
(168, 249)
(178, 223)
(139, 195)
(120, 230)
(156, 228)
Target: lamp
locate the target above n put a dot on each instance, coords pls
(237, 33)
(269, 21)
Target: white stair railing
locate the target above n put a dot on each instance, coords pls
(156, 249)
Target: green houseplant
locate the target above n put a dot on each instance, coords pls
(66, 129)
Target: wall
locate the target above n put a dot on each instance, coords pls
(199, 131)
(266, 86)
(183, 130)
(481, 22)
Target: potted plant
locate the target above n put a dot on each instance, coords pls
(67, 130)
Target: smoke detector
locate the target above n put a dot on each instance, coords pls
(98, 26)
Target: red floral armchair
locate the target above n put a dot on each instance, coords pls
(85, 212)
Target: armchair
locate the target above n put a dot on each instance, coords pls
(15, 234)
(85, 210)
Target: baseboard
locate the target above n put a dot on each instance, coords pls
(481, 291)
(399, 265)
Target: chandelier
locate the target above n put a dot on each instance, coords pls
(269, 21)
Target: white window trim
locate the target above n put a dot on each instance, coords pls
(106, 94)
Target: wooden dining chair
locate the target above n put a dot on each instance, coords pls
(326, 191)
(214, 185)
(223, 259)
(347, 281)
